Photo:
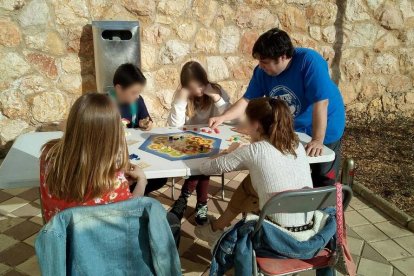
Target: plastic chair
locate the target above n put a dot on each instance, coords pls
(298, 201)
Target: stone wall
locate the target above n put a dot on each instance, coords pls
(46, 52)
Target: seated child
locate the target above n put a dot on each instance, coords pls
(276, 161)
(129, 82)
(79, 169)
(195, 102)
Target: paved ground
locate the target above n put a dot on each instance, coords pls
(379, 245)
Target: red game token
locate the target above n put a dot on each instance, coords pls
(203, 130)
(195, 129)
(209, 131)
(184, 128)
(216, 130)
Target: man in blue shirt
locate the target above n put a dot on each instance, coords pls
(301, 78)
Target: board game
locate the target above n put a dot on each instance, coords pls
(181, 146)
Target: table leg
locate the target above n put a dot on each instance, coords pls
(172, 188)
(222, 186)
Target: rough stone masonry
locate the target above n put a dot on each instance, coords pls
(46, 52)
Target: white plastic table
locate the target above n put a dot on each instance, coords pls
(20, 168)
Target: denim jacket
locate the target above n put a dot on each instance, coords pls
(234, 248)
(131, 237)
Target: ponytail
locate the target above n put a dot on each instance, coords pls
(276, 121)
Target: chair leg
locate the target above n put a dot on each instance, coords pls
(255, 272)
(222, 186)
(172, 188)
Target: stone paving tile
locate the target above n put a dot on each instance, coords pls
(407, 243)
(12, 204)
(31, 240)
(6, 242)
(368, 252)
(406, 266)
(240, 177)
(393, 229)
(27, 211)
(15, 191)
(191, 268)
(198, 254)
(14, 273)
(4, 268)
(30, 267)
(4, 196)
(30, 195)
(353, 218)
(370, 233)
(355, 245)
(371, 268)
(16, 254)
(23, 230)
(374, 215)
(358, 204)
(390, 250)
(9, 222)
(397, 273)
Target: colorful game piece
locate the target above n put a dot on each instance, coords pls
(195, 129)
(134, 157)
(216, 130)
(184, 128)
(209, 131)
(203, 130)
(170, 138)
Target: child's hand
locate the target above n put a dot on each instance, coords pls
(212, 93)
(183, 94)
(135, 173)
(145, 124)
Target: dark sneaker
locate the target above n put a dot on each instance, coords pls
(201, 214)
(179, 207)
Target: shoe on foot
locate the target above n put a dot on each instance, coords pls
(201, 214)
(179, 207)
(207, 234)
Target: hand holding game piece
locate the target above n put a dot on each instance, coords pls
(145, 124)
(214, 122)
(135, 173)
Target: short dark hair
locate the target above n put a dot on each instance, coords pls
(128, 74)
(273, 44)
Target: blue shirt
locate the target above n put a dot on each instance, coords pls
(141, 112)
(305, 82)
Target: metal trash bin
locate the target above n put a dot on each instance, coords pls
(114, 43)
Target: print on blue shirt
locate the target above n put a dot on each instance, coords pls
(304, 82)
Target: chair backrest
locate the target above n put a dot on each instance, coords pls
(303, 200)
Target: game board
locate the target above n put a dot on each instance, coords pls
(181, 146)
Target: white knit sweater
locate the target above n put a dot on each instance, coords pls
(178, 118)
(270, 172)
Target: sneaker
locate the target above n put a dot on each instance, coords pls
(201, 214)
(179, 207)
(207, 234)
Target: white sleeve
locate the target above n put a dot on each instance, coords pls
(235, 161)
(177, 114)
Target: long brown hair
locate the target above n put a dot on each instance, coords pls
(276, 122)
(82, 165)
(193, 71)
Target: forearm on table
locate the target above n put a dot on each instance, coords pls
(319, 120)
(224, 163)
(139, 189)
(177, 114)
(236, 111)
